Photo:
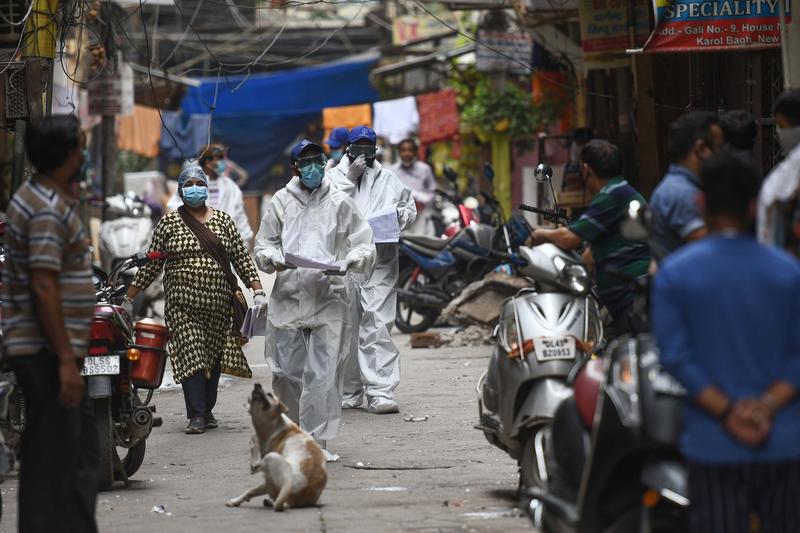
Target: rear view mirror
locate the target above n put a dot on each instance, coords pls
(636, 225)
(543, 173)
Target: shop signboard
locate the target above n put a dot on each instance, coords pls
(407, 28)
(606, 25)
(516, 52)
(715, 25)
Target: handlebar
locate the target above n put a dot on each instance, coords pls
(138, 260)
(558, 216)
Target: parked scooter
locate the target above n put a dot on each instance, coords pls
(610, 460)
(543, 332)
(126, 231)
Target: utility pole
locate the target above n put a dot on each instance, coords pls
(790, 44)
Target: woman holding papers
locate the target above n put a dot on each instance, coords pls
(310, 235)
(202, 244)
(374, 365)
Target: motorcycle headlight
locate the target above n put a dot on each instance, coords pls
(573, 276)
(624, 389)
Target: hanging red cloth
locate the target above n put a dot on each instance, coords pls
(438, 116)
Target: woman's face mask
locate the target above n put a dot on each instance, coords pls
(312, 170)
(195, 195)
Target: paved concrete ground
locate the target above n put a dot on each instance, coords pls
(435, 476)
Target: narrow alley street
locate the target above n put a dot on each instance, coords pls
(439, 475)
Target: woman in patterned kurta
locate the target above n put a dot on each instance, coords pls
(198, 307)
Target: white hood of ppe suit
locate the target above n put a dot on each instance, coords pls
(324, 225)
(230, 201)
(780, 186)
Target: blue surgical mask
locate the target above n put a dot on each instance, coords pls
(195, 196)
(311, 175)
(220, 167)
(337, 155)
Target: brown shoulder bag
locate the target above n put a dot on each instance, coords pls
(214, 247)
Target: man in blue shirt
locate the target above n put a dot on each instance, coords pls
(725, 317)
(677, 216)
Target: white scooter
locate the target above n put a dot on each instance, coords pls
(125, 232)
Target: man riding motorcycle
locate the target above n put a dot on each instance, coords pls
(618, 262)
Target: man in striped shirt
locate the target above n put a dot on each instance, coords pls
(48, 304)
(617, 261)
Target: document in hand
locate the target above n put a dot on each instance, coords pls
(385, 227)
(254, 326)
(302, 262)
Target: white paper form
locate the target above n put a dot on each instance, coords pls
(303, 262)
(385, 227)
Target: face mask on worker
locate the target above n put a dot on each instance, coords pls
(789, 138)
(312, 170)
(367, 150)
(220, 167)
(337, 155)
(195, 195)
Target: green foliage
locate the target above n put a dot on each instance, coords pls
(486, 110)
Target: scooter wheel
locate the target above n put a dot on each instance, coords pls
(408, 318)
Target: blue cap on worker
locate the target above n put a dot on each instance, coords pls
(360, 133)
(299, 147)
(337, 138)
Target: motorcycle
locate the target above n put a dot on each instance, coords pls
(451, 211)
(433, 271)
(543, 332)
(610, 459)
(126, 231)
(123, 359)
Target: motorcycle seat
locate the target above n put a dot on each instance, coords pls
(433, 243)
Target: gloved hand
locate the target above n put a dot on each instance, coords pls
(262, 303)
(355, 264)
(357, 168)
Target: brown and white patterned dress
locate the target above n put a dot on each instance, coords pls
(198, 308)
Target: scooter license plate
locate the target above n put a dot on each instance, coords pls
(101, 365)
(554, 348)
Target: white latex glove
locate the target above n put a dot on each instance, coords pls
(355, 264)
(262, 303)
(357, 168)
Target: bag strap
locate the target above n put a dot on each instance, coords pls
(211, 244)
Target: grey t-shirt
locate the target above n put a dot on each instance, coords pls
(676, 212)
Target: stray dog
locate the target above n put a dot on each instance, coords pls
(292, 462)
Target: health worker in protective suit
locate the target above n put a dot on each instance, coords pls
(308, 328)
(373, 367)
(337, 141)
(223, 193)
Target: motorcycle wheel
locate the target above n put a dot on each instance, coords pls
(134, 458)
(528, 468)
(408, 319)
(107, 451)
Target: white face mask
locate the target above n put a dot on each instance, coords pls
(789, 138)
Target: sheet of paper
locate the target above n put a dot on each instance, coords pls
(385, 227)
(302, 262)
(254, 326)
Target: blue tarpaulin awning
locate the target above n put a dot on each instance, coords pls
(258, 116)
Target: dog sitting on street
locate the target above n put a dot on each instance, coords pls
(291, 461)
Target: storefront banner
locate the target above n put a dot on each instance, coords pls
(714, 25)
(606, 25)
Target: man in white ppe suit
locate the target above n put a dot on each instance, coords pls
(223, 193)
(782, 185)
(308, 327)
(374, 365)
